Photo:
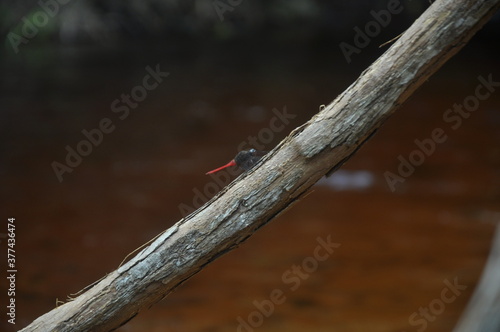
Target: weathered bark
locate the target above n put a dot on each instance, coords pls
(285, 174)
(482, 312)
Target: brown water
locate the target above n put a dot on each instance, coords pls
(398, 251)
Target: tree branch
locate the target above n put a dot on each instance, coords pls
(282, 177)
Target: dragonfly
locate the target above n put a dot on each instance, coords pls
(244, 159)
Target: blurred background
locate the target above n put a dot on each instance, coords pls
(100, 67)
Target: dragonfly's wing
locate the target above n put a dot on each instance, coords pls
(253, 159)
(261, 154)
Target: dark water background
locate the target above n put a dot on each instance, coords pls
(397, 249)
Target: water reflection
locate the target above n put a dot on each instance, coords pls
(348, 180)
(397, 248)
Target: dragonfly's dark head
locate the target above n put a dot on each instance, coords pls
(244, 160)
(248, 158)
(243, 156)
